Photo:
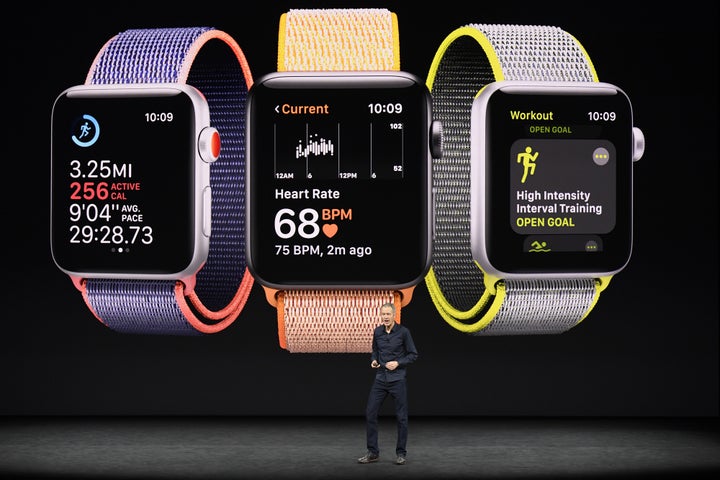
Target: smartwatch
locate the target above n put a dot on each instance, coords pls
(148, 179)
(534, 192)
(339, 178)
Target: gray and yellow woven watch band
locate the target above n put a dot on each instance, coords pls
(468, 59)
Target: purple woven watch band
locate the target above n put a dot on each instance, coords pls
(183, 55)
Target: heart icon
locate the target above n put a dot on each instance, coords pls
(330, 229)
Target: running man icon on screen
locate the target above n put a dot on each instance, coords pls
(528, 161)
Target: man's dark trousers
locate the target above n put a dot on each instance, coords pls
(378, 393)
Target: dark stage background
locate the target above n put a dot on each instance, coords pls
(649, 348)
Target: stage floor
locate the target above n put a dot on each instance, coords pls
(328, 447)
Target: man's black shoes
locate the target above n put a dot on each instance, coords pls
(369, 457)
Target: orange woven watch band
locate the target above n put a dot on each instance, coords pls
(335, 321)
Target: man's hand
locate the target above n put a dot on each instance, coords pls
(391, 365)
(375, 364)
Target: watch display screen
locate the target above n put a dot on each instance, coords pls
(558, 181)
(338, 180)
(123, 170)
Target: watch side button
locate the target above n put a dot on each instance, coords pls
(209, 144)
(206, 211)
(433, 193)
(436, 139)
(638, 144)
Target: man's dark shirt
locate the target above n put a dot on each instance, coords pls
(397, 345)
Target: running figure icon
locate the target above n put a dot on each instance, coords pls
(528, 161)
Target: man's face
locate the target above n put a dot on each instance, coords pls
(386, 315)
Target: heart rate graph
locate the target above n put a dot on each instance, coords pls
(316, 146)
(330, 150)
